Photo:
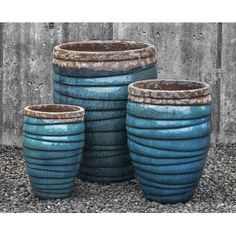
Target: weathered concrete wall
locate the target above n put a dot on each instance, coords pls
(1, 81)
(27, 70)
(204, 52)
(227, 90)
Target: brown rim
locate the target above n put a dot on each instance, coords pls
(187, 101)
(55, 111)
(97, 51)
(179, 92)
(107, 65)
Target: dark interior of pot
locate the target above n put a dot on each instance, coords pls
(170, 85)
(103, 46)
(54, 108)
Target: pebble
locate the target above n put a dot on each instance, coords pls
(216, 191)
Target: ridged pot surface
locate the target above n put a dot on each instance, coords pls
(95, 75)
(53, 142)
(168, 125)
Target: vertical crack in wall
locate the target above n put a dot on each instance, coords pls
(1, 79)
(110, 28)
(218, 77)
(1, 45)
(65, 32)
(219, 45)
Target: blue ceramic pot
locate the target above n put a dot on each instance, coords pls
(95, 75)
(53, 142)
(168, 125)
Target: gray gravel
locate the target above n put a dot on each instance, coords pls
(216, 192)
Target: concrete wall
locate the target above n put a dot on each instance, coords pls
(199, 51)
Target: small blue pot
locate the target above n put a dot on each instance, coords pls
(96, 75)
(168, 125)
(53, 142)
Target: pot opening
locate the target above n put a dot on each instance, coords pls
(103, 46)
(54, 108)
(169, 85)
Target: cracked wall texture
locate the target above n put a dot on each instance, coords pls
(198, 51)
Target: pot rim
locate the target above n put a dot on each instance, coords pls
(142, 50)
(184, 101)
(106, 65)
(193, 92)
(55, 111)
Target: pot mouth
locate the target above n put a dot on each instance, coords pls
(170, 92)
(103, 46)
(107, 50)
(54, 111)
(170, 85)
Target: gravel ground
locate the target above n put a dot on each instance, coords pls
(216, 191)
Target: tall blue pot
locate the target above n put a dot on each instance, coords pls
(53, 142)
(95, 75)
(168, 125)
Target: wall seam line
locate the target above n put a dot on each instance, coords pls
(219, 76)
(1, 81)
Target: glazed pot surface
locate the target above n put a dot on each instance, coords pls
(168, 137)
(53, 142)
(95, 75)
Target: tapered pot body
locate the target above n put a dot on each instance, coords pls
(95, 75)
(53, 142)
(168, 125)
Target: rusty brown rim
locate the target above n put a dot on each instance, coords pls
(170, 92)
(55, 111)
(187, 101)
(109, 50)
(107, 65)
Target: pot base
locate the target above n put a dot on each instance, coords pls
(181, 198)
(105, 179)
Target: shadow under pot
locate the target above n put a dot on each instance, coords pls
(53, 142)
(96, 75)
(168, 125)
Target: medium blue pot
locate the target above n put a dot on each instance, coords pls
(95, 75)
(53, 142)
(168, 143)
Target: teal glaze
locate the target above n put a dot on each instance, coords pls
(112, 138)
(97, 125)
(120, 80)
(53, 152)
(155, 152)
(93, 73)
(94, 105)
(52, 145)
(52, 129)
(96, 162)
(53, 161)
(186, 168)
(136, 122)
(168, 147)
(116, 93)
(106, 148)
(168, 112)
(174, 145)
(105, 115)
(142, 159)
(72, 138)
(169, 179)
(104, 97)
(43, 154)
(189, 132)
(52, 181)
